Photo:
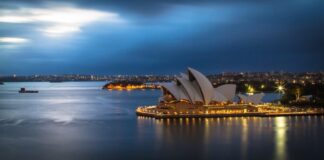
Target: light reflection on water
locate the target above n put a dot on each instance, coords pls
(88, 123)
(236, 138)
(280, 137)
(244, 138)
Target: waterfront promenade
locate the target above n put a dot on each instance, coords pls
(207, 112)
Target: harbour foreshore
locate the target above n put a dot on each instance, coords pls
(154, 112)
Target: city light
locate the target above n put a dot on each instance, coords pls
(262, 86)
(250, 90)
(129, 86)
(281, 88)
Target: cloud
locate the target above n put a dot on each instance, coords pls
(132, 36)
(57, 21)
(13, 40)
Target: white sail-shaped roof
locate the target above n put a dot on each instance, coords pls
(175, 90)
(255, 99)
(194, 95)
(206, 88)
(195, 87)
(228, 90)
(218, 97)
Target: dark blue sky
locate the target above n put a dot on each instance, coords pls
(160, 37)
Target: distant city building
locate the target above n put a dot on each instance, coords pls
(269, 78)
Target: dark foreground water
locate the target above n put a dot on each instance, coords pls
(78, 120)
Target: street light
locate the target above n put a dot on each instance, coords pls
(281, 89)
(250, 90)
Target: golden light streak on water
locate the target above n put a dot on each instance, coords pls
(280, 138)
(244, 137)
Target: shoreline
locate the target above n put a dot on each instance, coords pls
(158, 115)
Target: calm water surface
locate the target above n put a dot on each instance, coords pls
(78, 120)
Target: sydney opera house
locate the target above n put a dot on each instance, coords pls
(194, 88)
(193, 95)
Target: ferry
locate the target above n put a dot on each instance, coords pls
(23, 90)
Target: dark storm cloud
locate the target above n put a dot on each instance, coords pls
(162, 37)
(145, 7)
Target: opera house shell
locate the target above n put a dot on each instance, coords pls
(195, 88)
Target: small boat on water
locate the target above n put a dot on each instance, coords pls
(1, 83)
(23, 90)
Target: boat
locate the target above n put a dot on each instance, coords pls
(23, 90)
(1, 83)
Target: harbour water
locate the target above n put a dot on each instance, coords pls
(79, 120)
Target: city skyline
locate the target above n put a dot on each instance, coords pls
(230, 77)
(160, 37)
(162, 79)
